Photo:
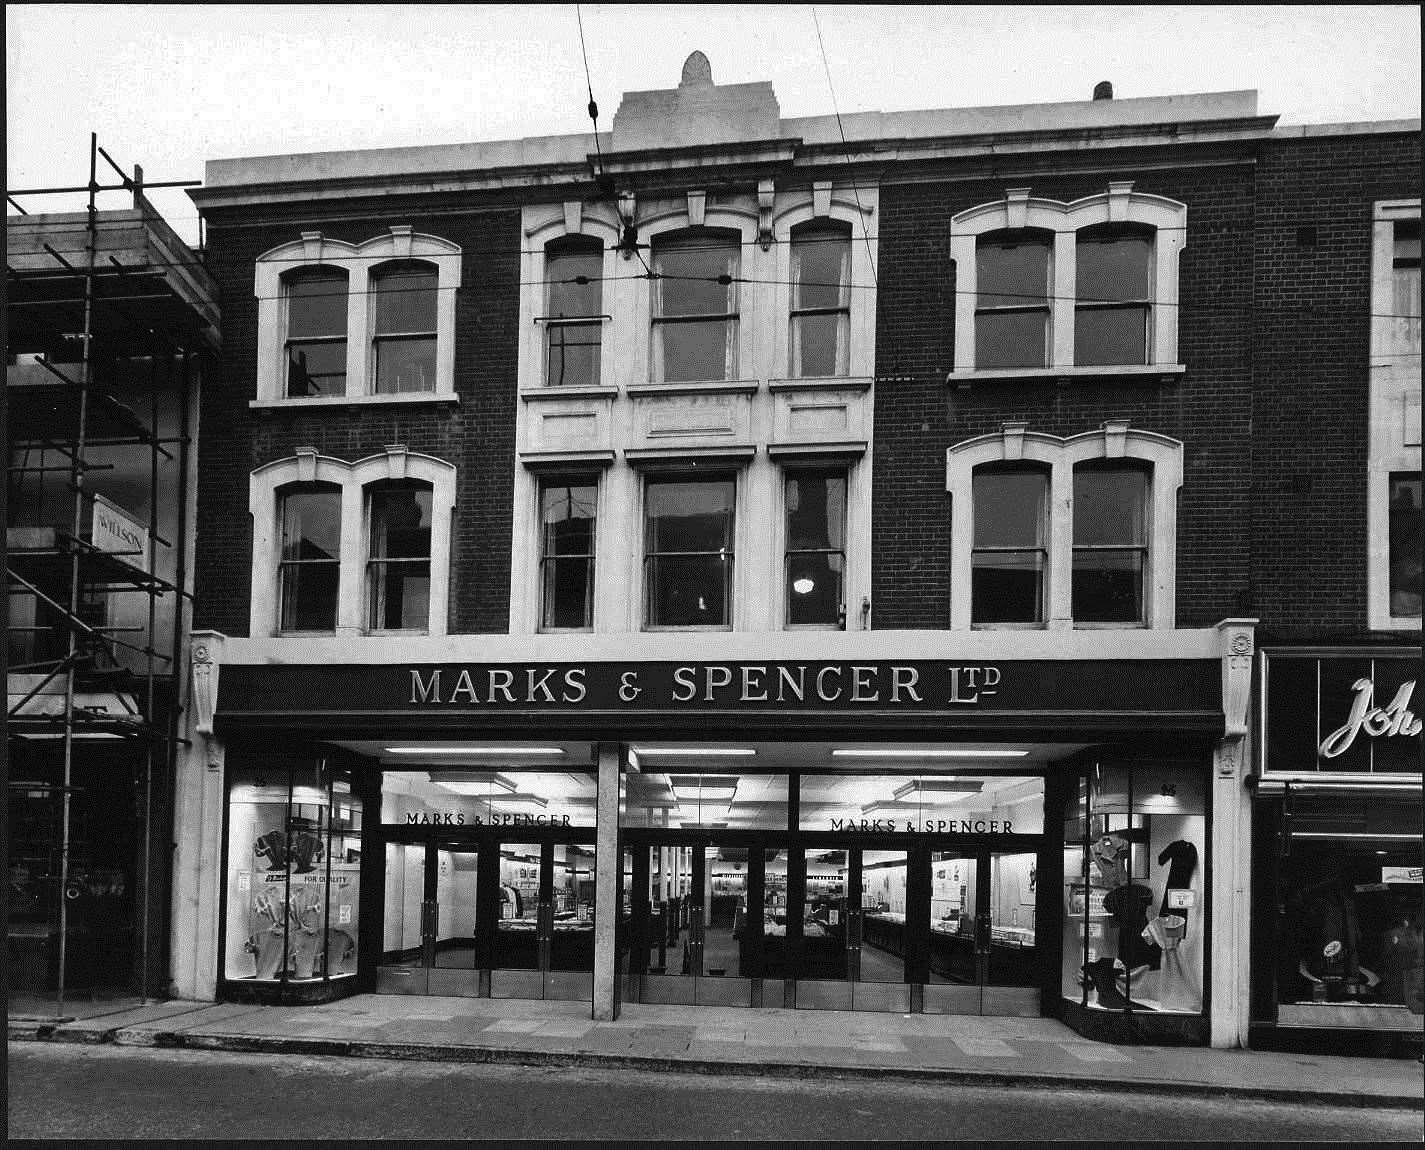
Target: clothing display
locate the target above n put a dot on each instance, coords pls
(273, 847)
(1174, 993)
(1110, 855)
(1128, 905)
(1104, 975)
(1181, 859)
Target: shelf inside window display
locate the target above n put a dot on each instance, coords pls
(294, 861)
(1134, 847)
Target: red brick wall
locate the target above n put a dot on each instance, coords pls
(918, 416)
(477, 435)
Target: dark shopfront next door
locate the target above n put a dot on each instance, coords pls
(480, 916)
(892, 927)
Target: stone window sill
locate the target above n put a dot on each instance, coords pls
(1160, 372)
(399, 400)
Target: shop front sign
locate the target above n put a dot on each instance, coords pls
(1342, 714)
(970, 826)
(1173, 688)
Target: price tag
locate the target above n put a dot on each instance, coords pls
(1181, 899)
(244, 881)
(343, 914)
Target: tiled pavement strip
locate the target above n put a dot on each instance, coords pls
(1032, 1051)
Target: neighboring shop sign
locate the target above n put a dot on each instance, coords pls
(1342, 714)
(1167, 686)
(114, 530)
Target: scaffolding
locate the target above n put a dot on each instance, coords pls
(111, 322)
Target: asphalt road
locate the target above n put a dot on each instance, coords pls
(71, 1091)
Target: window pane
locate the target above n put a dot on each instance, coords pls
(400, 596)
(568, 592)
(820, 264)
(572, 354)
(1009, 508)
(1108, 586)
(1113, 268)
(405, 300)
(1012, 274)
(820, 345)
(1011, 339)
(405, 365)
(311, 524)
(568, 515)
(690, 516)
(566, 297)
(1406, 539)
(696, 350)
(1111, 335)
(814, 587)
(309, 596)
(688, 272)
(689, 590)
(816, 510)
(1110, 506)
(316, 305)
(316, 368)
(1007, 587)
(400, 522)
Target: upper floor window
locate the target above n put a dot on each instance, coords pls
(1407, 537)
(568, 519)
(1068, 287)
(369, 322)
(310, 562)
(404, 336)
(573, 271)
(351, 547)
(688, 539)
(1113, 295)
(398, 567)
(821, 299)
(1010, 551)
(1110, 542)
(815, 503)
(1405, 288)
(315, 347)
(695, 306)
(1012, 305)
(1064, 532)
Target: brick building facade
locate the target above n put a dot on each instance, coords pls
(749, 521)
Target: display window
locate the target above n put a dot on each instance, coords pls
(293, 881)
(1135, 840)
(1350, 890)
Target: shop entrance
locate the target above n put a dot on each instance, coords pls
(818, 923)
(479, 916)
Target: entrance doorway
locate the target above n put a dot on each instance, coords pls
(816, 924)
(477, 916)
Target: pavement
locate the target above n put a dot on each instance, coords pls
(1039, 1052)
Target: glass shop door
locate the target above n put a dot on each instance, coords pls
(540, 920)
(429, 930)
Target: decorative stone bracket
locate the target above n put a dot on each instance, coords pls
(1237, 658)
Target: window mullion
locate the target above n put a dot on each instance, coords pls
(1064, 278)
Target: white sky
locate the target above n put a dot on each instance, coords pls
(170, 86)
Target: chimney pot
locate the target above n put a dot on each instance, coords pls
(1103, 90)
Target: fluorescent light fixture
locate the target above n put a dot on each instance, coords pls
(698, 752)
(455, 750)
(939, 787)
(931, 753)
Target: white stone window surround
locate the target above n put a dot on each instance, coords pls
(826, 202)
(570, 219)
(751, 298)
(307, 466)
(360, 261)
(1120, 204)
(1394, 415)
(1113, 441)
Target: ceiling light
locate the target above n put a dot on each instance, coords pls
(939, 786)
(473, 782)
(804, 586)
(454, 750)
(510, 800)
(698, 752)
(932, 753)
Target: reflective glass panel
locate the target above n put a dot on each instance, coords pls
(459, 797)
(1407, 536)
(657, 797)
(934, 804)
